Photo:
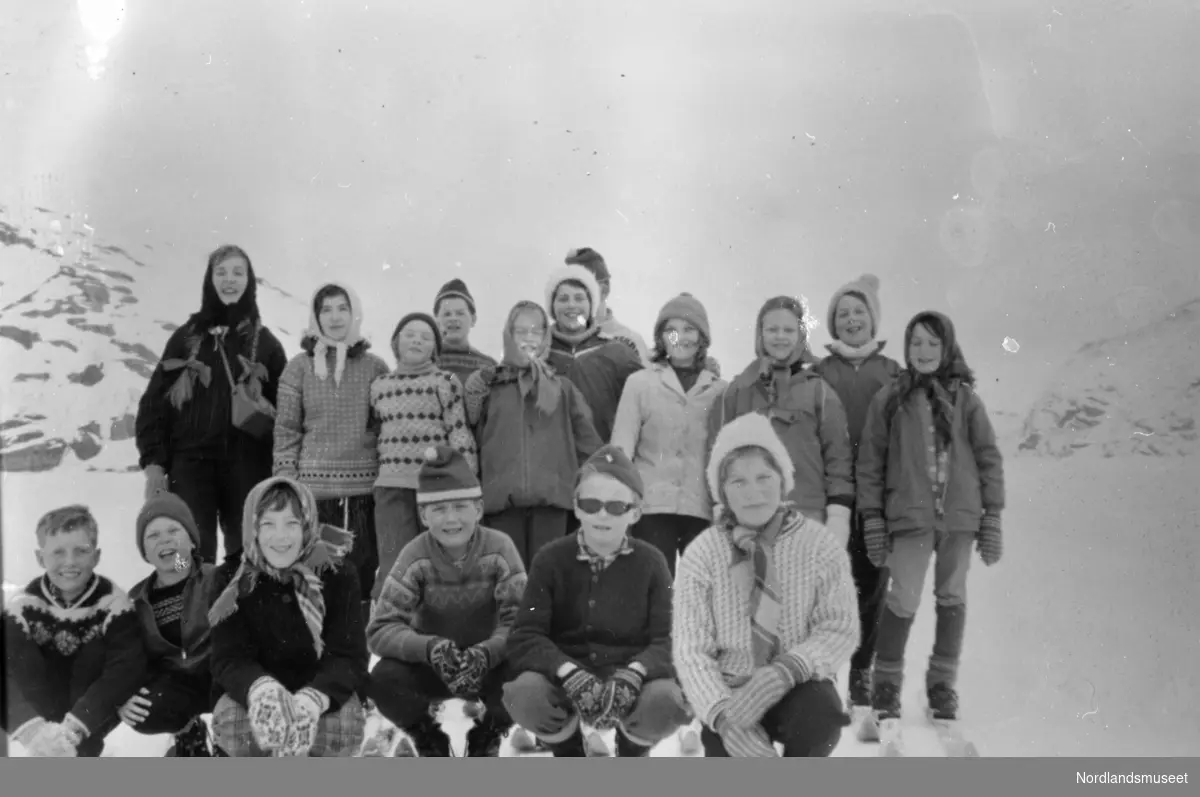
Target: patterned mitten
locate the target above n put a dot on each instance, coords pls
(473, 666)
(875, 536)
(588, 695)
(624, 688)
(269, 709)
(444, 659)
(308, 706)
(989, 540)
(755, 698)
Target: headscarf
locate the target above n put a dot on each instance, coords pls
(322, 343)
(775, 374)
(304, 575)
(941, 386)
(534, 375)
(213, 311)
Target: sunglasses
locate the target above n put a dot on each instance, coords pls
(592, 506)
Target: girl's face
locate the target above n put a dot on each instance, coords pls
(529, 332)
(606, 509)
(753, 489)
(335, 317)
(571, 307)
(230, 277)
(454, 317)
(280, 537)
(852, 321)
(415, 343)
(681, 340)
(780, 333)
(924, 350)
(452, 522)
(164, 540)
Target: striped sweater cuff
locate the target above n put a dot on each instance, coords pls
(796, 667)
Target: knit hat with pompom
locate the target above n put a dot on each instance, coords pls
(446, 476)
(865, 288)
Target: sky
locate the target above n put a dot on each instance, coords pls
(1030, 168)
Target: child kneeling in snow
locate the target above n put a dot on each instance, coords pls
(173, 603)
(72, 645)
(930, 484)
(288, 649)
(592, 642)
(443, 618)
(765, 609)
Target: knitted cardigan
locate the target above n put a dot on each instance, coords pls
(416, 412)
(321, 428)
(428, 596)
(711, 637)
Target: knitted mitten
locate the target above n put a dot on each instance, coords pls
(473, 666)
(875, 536)
(270, 711)
(623, 690)
(444, 659)
(989, 540)
(754, 698)
(588, 695)
(309, 705)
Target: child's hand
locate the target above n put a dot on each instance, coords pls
(747, 742)
(753, 699)
(309, 705)
(156, 481)
(136, 709)
(444, 659)
(270, 713)
(876, 539)
(587, 692)
(473, 667)
(622, 690)
(989, 540)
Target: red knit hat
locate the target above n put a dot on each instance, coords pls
(446, 476)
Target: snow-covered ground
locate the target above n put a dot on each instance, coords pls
(1081, 642)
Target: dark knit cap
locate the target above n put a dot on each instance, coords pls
(166, 505)
(454, 289)
(428, 319)
(446, 476)
(590, 259)
(612, 461)
(687, 308)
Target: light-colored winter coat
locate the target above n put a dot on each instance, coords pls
(665, 432)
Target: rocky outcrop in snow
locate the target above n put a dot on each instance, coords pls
(1136, 394)
(80, 336)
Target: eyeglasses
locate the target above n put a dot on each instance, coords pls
(592, 506)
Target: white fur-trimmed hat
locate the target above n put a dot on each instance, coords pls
(577, 274)
(747, 431)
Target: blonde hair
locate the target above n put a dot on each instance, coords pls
(66, 519)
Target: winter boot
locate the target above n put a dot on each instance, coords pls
(473, 709)
(860, 688)
(627, 748)
(947, 649)
(428, 739)
(192, 741)
(571, 747)
(885, 700)
(943, 702)
(486, 736)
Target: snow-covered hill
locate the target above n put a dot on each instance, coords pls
(82, 325)
(1133, 394)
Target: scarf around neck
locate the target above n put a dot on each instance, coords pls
(427, 367)
(534, 374)
(855, 354)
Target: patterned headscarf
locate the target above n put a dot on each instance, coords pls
(304, 574)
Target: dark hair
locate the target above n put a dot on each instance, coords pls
(308, 343)
(951, 371)
(278, 497)
(659, 353)
(329, 292)
(213, 311)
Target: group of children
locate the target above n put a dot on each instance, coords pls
(588, 534)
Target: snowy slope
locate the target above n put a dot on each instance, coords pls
(1133, 394)
(78, 342)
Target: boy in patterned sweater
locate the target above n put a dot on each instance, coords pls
(416, 406)
(73, 645)
(441, 625)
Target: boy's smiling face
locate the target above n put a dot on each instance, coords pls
(452, 522)
(70, 559)
(165, 540)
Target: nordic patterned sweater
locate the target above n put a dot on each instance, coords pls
(429, 595)
(321, 429)
(818, 621)
(463, 362)
(414, 413)
(85, 659)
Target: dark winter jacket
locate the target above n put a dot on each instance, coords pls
(202, 427)
(267, 635)
(527, 459)
(599, 367)
(86, 660)
(856, 383)
(193, 657)
(599, 622)
(894, 462)
(810, 421)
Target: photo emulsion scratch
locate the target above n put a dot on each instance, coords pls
(536, 380)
